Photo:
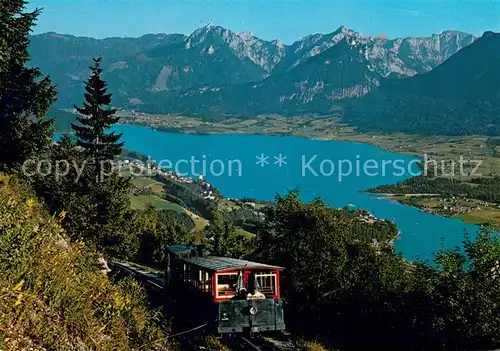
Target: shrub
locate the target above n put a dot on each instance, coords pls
(53, 293)
(213, 343)
(304, 345)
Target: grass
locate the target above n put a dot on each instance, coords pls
(430, 202)
(53, 294)
(213, 343)
(140, 202)
(304, 345)
(483, 216)
(142, 182)
(228, 205)
(145, 182)
(199, 222)
(157, 188)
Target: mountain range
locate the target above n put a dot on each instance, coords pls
(215, 56)
(215, 71)
(459, 97)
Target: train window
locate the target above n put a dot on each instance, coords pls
(190, 275)
(226, 284)
(199, 279)
(267, 283)
(205, 281)
(184, 272)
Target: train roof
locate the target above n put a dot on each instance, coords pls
(216, 264)
(181, 249)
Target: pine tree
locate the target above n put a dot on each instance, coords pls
(100, 208)
(25, 94)
(97, 118)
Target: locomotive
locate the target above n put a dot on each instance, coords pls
(225, 295)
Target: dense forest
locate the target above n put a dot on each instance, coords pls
(343, 283)
(484, 189)
(350, 295)
(416, 114)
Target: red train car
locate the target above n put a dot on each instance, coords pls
(228, 295)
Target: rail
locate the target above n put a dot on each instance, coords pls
(151, 279)
(282, 343)
(251, 344)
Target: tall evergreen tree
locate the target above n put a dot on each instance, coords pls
(98, 117)
(96, 204)
(25, 94)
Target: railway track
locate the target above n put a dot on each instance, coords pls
(151, 279)
(281, 343)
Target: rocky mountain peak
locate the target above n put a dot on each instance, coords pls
(244, 45)
(246, 35)
(453, 33)
(278, 43)
(344, 30)
(204, 35)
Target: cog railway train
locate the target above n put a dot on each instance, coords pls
(225, 295)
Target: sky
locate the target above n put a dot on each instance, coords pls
(286, 20)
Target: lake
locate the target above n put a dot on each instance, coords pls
(251, 166)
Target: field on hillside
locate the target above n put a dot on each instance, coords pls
(199, 222)
(140, 202)
(143, 182)
(483, 216)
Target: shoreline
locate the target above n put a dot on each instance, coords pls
(467, 217)
(329, 129)
(355, 137)
(324, 129)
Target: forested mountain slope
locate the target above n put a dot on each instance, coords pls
(459, 97)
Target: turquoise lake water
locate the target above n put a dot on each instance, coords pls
(236, 174)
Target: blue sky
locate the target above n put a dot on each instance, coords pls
(286, 20)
